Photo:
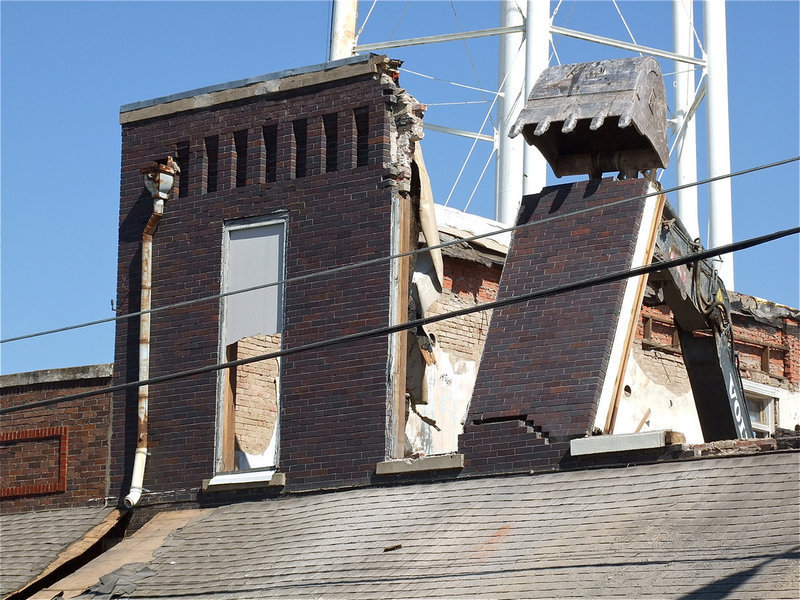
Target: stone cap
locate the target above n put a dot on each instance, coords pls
(260, 85)
(101, 371)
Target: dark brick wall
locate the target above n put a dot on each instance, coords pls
(334, 399)
(544, 361)
(53, 456)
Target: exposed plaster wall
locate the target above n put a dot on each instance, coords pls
(657, 381)
(457, 347)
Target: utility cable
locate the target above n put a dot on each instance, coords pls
(480, 177)
(537, 295)
(486, 118)
(469, 56)
(364, 24)
(624, 22)
(447, 81)
(400, 20)
(381, 259)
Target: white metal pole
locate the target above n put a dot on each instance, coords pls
(685, 126)
(343, 29)
(511, 77)
(720, 218)
(537, 50)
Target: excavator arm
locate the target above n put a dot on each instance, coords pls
(610, 115)
(702, 314)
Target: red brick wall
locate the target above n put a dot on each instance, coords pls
(767, 353)
(53, 456)
(466, 284)
(544, 362)
(334, 399)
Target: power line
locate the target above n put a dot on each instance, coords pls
(381, 259)
(545, 293)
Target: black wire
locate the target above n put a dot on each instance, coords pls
(381, 259)
(552, 291)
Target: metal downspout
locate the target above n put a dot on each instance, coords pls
(153, 179)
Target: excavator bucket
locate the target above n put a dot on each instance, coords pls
(595, 117)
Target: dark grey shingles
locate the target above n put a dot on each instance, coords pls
(29, 542)
(700, 528)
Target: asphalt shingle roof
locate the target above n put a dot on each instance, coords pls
(29, 542)
(708, 528)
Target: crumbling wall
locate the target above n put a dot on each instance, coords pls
(457, 347)
(657, 393)
(466, 284)
(318, 157)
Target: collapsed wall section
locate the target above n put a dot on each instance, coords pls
(549, 363)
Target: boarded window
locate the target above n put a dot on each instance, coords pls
(253, 324)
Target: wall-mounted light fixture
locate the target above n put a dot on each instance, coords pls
(159, 179)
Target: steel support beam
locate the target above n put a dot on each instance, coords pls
(511, 81)
(686, 131)
(459, 132)
(478, 33)
(343, 29)
(537, 58)
(720, 214)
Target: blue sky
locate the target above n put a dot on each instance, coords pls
(67, 67)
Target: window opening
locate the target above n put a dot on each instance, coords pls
(329, 123)
(762, 416)
(300, 147)
(240, 142)
(252, 325)
(182, 153)
(362, 136)
(212, 156)
(270, 134)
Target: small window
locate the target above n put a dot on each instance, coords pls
(761, 415)
(300, 128)
(331, 142)
(182, 153)
(252, 325)
(212, 162)
(761, 406)
(240, 142)
(362, 136)
(270, 133)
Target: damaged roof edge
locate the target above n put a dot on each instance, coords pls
(764, 311)
(244, 88)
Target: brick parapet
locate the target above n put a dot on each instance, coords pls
(333, 400)
(54, 456)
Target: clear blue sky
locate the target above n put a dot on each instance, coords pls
(68, 67)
